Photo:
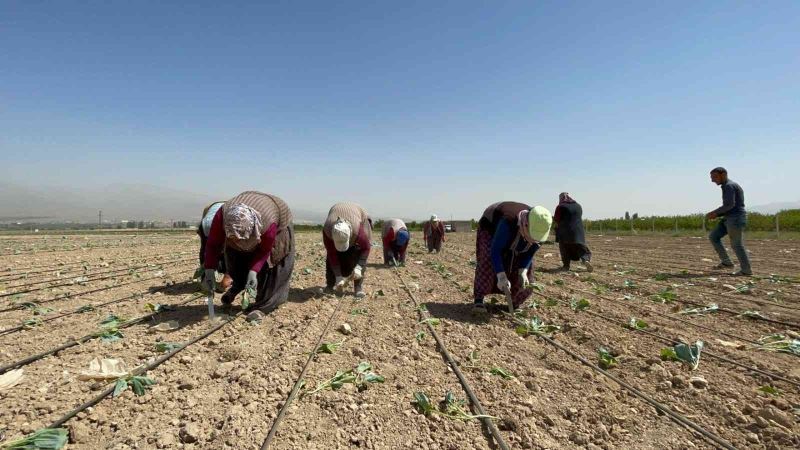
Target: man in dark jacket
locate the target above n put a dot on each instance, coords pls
(570, 235)
(733, 220)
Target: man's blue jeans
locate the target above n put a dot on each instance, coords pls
(734, 227)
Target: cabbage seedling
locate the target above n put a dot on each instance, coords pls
(637, 324)
(138, 384)
(579, 305)
(44, 439)
(499, 371)
(607, 360)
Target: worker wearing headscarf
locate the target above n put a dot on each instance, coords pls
(203, 229)
(571, 238)
(433, 234)
(254, 232)
(347, 235)
(509, 234)
(396, 237)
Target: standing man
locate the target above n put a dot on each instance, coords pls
(733, 220)
(433, 234)
(395, 241)
(347, 235)
(570, 235)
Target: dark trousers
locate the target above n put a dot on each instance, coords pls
(574, 252)
(347, 262)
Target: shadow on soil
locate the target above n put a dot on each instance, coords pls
(458, 312)
(182, 288)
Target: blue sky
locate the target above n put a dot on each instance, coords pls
(407, 107)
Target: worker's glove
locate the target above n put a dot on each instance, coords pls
(523, 276)
(502, 282)
(340, 282)
(209, 280)
(357, 274)
(252, 280)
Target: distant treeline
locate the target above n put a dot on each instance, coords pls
(787, 220)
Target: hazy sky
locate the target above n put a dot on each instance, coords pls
(407, 107)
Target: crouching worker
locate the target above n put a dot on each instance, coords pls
(347, 235)
(202, 230)
(254, 233)
(395, 242)
(509, 234)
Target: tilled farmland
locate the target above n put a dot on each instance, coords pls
(585, 364)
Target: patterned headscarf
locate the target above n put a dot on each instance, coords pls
(565, 198)
(243, 226)
(524, 230)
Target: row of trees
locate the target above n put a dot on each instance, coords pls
(788, 220)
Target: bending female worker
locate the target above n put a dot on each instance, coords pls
(509, 234)
(395, 241)
(254, 231)
(433, 234)
(570, 235)
(347, 236)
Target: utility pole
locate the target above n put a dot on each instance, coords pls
(100, 219)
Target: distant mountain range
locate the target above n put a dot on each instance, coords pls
(772, 208)
(117, 202)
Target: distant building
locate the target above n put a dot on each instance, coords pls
(460, 226)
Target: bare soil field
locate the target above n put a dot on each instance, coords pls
(226, 384)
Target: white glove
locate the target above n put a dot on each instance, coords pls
(210, 279)
(252, 280)
(523, 276)
(340, 281)
(502, 282)
(357, 275)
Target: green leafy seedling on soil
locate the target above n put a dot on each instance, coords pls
(637, 324)
(534, 326)
(30, 323)
(700, 311)
(138, 384)
(474, 359)
(499, 371)
(110, 334)
(358, 312)
(158, 307)
(329, 349)
(769, 390)
(44, 439)
(689, 354)
(112, 321)
(661, 277)
(579, 305)
(752, 314)
(362, 376)
(551, 302)
(165, 347)
(629, 284)
(455, 409)
(420, 336)
(668, 354)
(607, 360)
(85, 309)
(423, 404)
(423, 308)
(433, 321)
(558, 282)
(779, 343)
(666, 296)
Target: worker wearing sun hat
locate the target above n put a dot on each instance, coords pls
(433, 234)
(347, 235)
(509, 234)
(395, 238)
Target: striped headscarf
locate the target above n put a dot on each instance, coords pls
(243, 226)
(522, 220)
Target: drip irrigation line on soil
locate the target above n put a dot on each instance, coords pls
(299, 382)
(68, 267)
(155, 262)
(67, 250)
(69, 295)
(161, 360)
(679, 418)
(487, 422)
(653, 254)
(72, 343)
(671, 341)
(115, 274)
(94, 306)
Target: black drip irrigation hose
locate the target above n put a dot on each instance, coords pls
(299, 382)
(80, 294)
(64, 419)
(660, 407)
(99, 305)
(490, 426)
(116, 273)
(88, 337)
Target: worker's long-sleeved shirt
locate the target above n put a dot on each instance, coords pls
(363, 243)
(389, 243)
(732, 199)
(216, 242)
(503, 240)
